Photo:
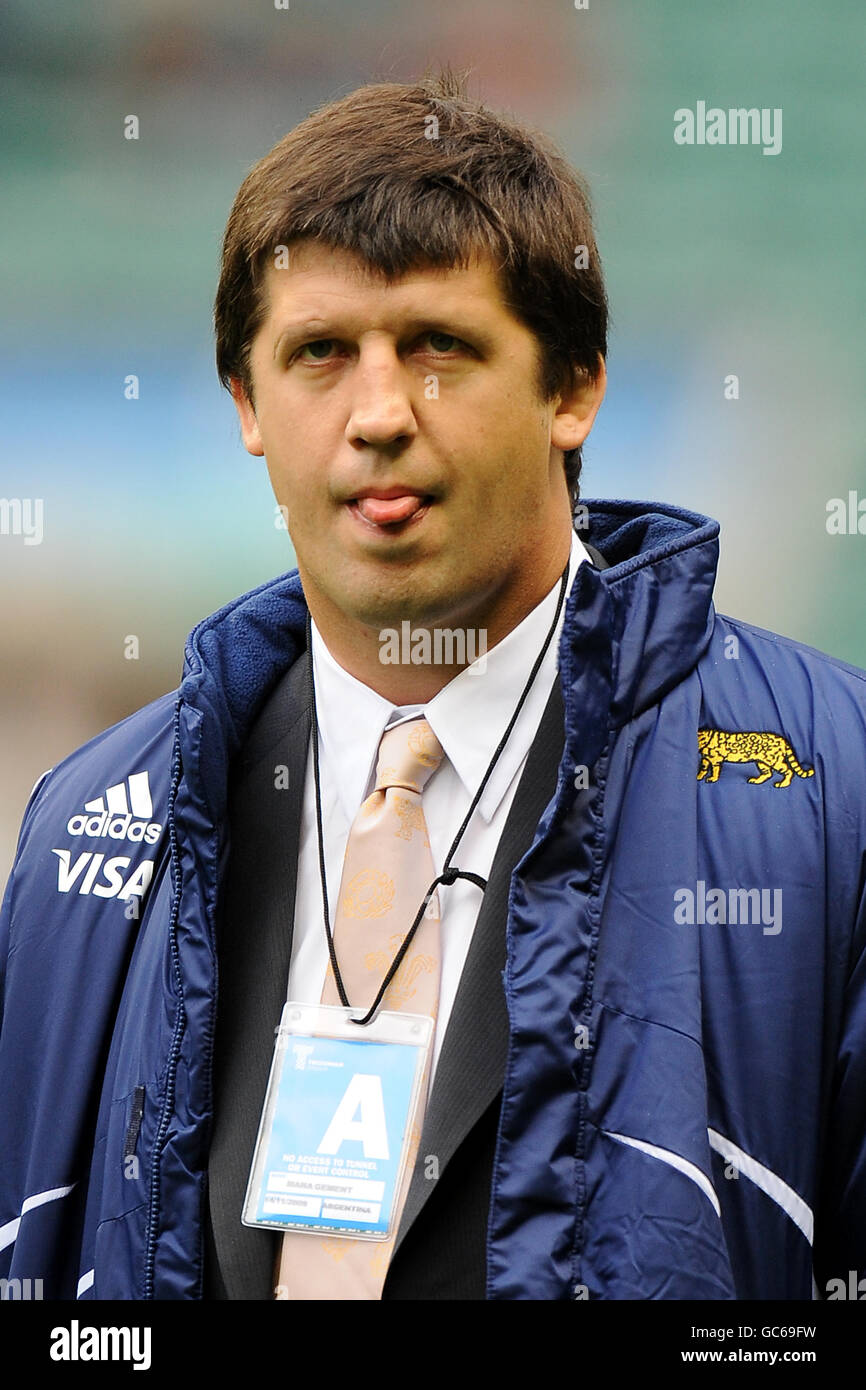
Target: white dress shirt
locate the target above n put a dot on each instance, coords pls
(469, 715)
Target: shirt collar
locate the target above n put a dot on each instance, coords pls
(468, 716)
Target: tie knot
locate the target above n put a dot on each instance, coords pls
(409, 754)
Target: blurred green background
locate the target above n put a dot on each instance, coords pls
(718, 260)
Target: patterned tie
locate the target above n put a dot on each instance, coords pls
(387, 870)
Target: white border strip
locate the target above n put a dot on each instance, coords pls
(691, 1170)
(769, 1182)
(85, 1283)
(9, 1232)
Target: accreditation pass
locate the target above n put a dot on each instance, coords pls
(335, 1131)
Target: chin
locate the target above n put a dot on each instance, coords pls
(384, 606)
(382, 595)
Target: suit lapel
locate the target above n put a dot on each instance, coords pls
(472, 1061)
(255, 946)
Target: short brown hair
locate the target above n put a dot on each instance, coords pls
(415, 175)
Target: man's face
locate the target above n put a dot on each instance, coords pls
(406, 439)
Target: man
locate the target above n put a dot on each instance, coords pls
(644, 967)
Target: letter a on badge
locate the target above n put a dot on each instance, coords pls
(364, 1094)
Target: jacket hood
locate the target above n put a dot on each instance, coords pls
(630, 633)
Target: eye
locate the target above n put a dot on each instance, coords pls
(450, 342)
(327, 343)
(320, 349)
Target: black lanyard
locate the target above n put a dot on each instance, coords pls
(449, 874)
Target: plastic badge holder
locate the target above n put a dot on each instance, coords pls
(334, 1136)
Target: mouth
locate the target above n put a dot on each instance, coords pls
(387, 512)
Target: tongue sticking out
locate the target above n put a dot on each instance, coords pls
(385, 511)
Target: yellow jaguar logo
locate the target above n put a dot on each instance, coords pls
(771, 752)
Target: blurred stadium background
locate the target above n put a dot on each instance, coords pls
(718, 260)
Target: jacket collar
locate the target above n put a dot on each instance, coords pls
(631, 632)
(634, 631)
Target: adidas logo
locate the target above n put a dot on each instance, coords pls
(123, 813)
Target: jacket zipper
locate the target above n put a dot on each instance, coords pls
(180, 1023)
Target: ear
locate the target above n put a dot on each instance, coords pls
(577, 408)
(247, 416)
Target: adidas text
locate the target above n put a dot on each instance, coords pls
(116, 827)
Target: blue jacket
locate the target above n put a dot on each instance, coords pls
(684, 1104)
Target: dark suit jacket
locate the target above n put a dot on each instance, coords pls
(441, 1243)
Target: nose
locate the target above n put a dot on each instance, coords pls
(381, 407)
